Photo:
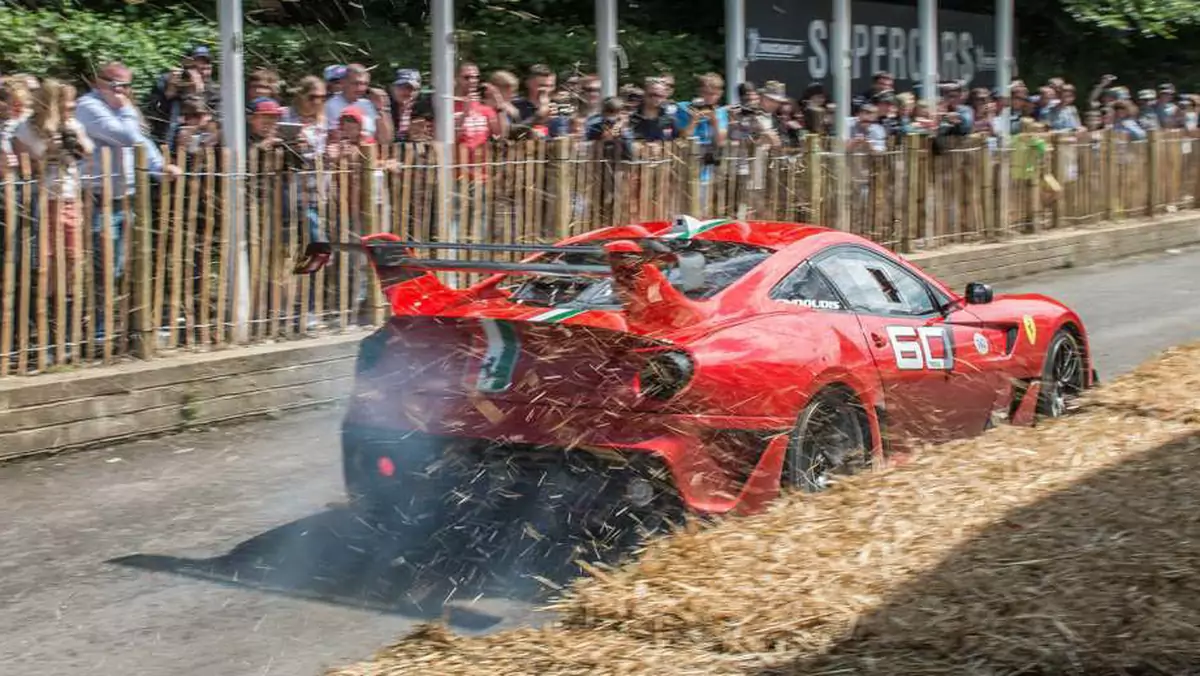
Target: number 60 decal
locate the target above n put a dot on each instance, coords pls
(912, 348)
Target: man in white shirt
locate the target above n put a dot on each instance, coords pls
(111, 120)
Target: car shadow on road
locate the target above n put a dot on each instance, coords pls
(336, 557)
(1101, 577)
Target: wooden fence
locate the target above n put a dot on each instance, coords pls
(69, 298)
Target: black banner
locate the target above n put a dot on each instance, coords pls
(790, 41)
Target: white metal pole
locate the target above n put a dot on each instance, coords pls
(606, 46)
(840, 62)
(735, 48)
(929, 51)
(233, 124)
(1004, 55)
(443, 47)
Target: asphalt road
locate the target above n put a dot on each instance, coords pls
(218, 552)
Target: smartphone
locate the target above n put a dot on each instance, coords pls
(289, 131)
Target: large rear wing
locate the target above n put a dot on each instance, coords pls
(395, 254)
(411, 286)
(387, 253)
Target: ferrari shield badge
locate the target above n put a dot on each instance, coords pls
(500, 359)
(981, 343)
(1030, 329)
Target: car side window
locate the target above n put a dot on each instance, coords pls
(805, 286)
(875, 285)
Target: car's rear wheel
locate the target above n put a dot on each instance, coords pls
(401, 484)
(1064, 375)
(830, 440)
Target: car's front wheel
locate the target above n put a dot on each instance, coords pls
(1064, 375)
(830, 440)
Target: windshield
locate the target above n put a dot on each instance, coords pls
(724, 264)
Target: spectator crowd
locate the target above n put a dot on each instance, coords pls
(323, 115)
(341, 112)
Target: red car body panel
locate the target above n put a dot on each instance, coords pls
(574, 381)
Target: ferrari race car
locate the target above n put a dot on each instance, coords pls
(700, 364)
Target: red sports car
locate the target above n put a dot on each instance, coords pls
(699, 363)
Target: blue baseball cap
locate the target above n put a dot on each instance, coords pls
(409, 77)
(201, 52)
(335, 73)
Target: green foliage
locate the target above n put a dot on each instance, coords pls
(69, 43)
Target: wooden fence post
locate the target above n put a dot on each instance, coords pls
(1112, 175)
(1152, 171)
(912, 178)
(812, 162)
(561, 149)
(695, 158)
(8, 291)
(1060, 175)
(141, 265)
(369, 200)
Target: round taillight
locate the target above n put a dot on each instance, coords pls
(665, 374)
(386, 467)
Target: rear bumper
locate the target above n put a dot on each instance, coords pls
(716, 464)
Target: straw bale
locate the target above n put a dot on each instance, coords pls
(1069, 547)
(1167, 387)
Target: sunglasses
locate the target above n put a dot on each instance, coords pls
(115, 84)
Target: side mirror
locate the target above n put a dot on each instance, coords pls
(978, 293)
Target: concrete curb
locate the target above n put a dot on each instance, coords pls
(104, 405)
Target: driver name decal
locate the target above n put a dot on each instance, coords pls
(814, 304)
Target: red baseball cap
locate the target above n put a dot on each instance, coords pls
(266, 106)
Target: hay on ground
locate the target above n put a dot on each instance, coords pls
(1070, 547)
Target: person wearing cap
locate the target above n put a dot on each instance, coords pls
(955, 118)
(772, 97)
(406, 90)
(264, 123)
(193, 77)
(1166, 109)
(1147, 117)
(335, 76)
(888, 117)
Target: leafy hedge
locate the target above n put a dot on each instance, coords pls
(70, 43)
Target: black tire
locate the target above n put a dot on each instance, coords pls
(419, 496)
(1063, 375)
(830, 439)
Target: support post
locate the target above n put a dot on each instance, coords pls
(606, 46)
(735, 48)
(233, 124)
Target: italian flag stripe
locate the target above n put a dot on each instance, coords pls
(701, 228)
(557, 315)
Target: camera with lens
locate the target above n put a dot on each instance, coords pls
(70, 142)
